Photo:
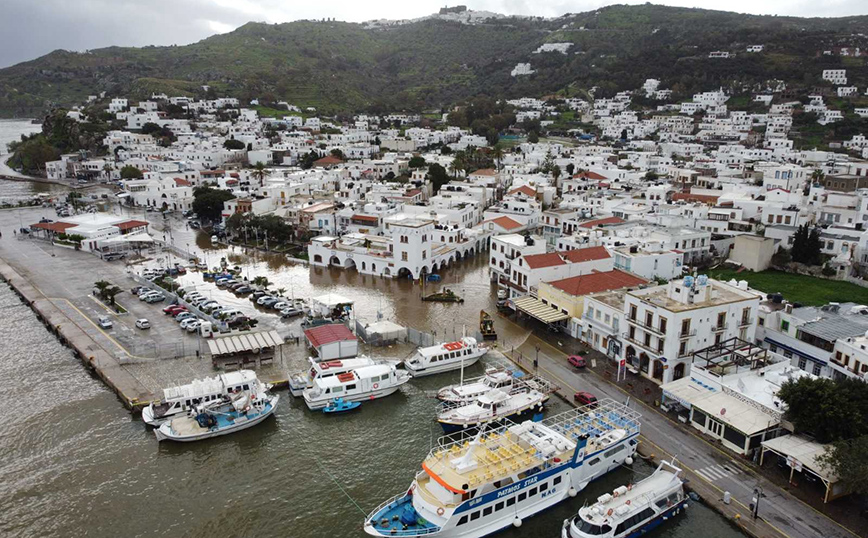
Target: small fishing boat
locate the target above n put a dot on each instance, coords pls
(244, 410)
(339, 405)
(445, 296)
(631, 510)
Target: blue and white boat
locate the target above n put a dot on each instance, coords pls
(631, 510)
(339, 405)
(244, 410)
(472, 486)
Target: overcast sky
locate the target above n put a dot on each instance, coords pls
(31, 28)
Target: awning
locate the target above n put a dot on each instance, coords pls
(538, 309)
(242, 343)
(802, 452)
(685, 391)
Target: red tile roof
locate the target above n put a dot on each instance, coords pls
(131, 224)
(596, 282)
(484, 172)
(601, 222)
(549, 259)
(181, 182)
(589, 175)
(586, 254)
(367, 218)
(328, 160)
(705, 198)
(524, 189)
(326, 334)
(57, 227)
(507, 223)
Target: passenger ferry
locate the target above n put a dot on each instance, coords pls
(242, 411)
(178, 401)
(497, 404)
(359, 384)
(472, 486)
(631, 510)
(494, 378)
(304, 380)
(445, 357)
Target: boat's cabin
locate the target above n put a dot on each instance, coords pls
(497, 380)
(359, 380)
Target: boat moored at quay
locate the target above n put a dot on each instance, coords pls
(242, 411)
(357, 385)
(472, 486)
(180, 400)
(304, 379)
(631, 510)
(445, 357)
(495, 377)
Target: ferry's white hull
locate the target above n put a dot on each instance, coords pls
(440, 368)
(318, 404)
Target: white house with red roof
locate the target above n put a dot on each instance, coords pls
(96, 229)
(507, 247)
(333, 341)
(527, 271)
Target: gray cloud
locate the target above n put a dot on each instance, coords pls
(31, 28)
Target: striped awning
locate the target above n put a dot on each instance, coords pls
(244, 343)
(538, 309)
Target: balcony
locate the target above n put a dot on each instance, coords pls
(687, 334)
(745, 322)
(720, 327)
(643, 325)
(648, 347)
(686, 353)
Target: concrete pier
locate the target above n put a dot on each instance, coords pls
(131, 392)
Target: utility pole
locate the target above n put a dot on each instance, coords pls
(754, 502)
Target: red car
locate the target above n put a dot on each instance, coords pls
(577, 361)
(585, 398)
(174, 309)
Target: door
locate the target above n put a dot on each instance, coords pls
(715, 427)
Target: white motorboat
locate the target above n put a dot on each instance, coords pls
(470, 487)
(497, 404)
(303, 380)
(357, 385)
(631, 510)
(178, 401)
(445, 357)
(494, 378)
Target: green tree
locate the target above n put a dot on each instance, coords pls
(259, 172)
(417, 161)
(807, 245)
(438, 176)
(101, 287)
(131, 172)
(829, 410)
(150, 128)
(337, 153)
(849, 460)
(234, 144)
(571, 169)
(532, 137)
(208, 202)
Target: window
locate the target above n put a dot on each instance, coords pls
(557, 480)
(403, 256)
(384, 377)
(543, 487)
(816, 369)
(463, 520)
(532, 491)
(498, 507)
(785, 326)
(522, 496)
(803, 363)
(487, 511)
(594, 461)
(510, 501)
(475, 515)
(351, 387)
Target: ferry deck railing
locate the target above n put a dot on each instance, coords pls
(397, 532)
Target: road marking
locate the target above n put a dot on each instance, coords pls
(716, 472)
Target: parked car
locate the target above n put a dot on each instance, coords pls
(155, 298)
(257, 294)
(291, 312)
(144, 296)
(243, 290)
(195, 225)
(585, 398)
(186, 323)
(144, 290)
(143, 323)
(207, 306)
(174, 309)
(577, 361)
(265, 298)
(269, 301)
(111, 256)
(240, 320)
(181, 316)
(135, 291)
(193, 327)
(104, 322)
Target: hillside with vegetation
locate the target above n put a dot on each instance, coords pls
(429, 64)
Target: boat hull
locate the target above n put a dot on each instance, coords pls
(525, 414)
(641, 530)
(439, 369)
(317, 405)
(165, 433)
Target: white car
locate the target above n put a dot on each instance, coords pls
(143, 324)
(194, 326)
(264, 298)
(280, 305)
(186, 323)
(104, 322)
(147, 296)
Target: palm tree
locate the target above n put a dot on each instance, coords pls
(110, 294)
(498, 156)
(281, 291)
(259, 172)
(261, 281)
(102, 286)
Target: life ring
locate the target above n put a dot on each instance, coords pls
(628, 502)
(440, 511)
(629, 487)
(610, 512)
(615, 494)
(376, 386)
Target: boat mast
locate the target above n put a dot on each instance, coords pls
(463, 334)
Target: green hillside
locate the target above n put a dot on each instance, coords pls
(339, 66)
